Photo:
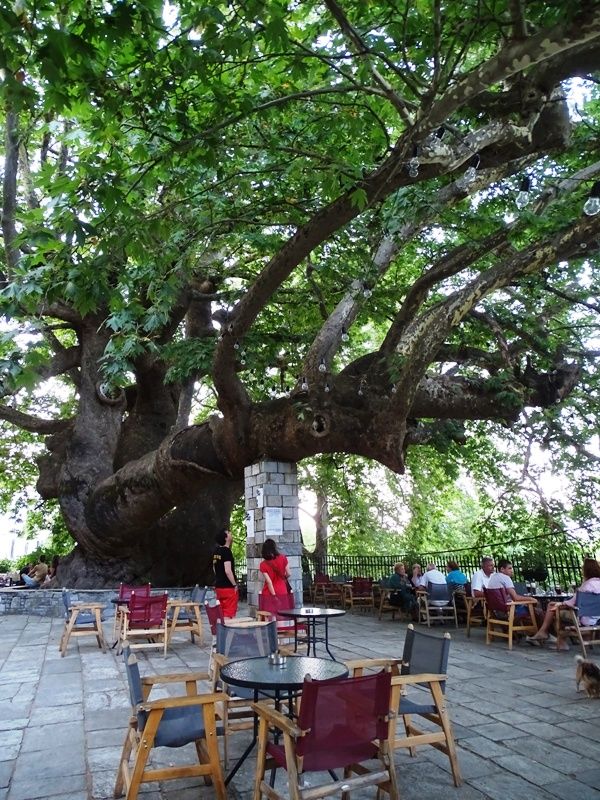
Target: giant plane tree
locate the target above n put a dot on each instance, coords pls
(270, 228)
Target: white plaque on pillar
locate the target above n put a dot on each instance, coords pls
(273, 521)
(260, 497)
(250, 524)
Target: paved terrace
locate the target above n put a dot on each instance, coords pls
(522, 730)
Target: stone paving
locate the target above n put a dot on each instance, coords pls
(522, 730)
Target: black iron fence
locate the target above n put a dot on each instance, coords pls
(562, 566)
(558, 569)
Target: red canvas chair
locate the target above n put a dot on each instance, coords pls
(269, 606)
(501, 620)
(145, 618)
(359, 594)
(123, 597)
(342, 723)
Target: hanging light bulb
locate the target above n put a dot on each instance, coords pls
(345, 336)
(414, 163)
(440, 132)
(393, 390)
(322, 366)
(327, 388)
(360, 391)
(366, 291)
(243, 358)
(304, 385)
(522, 198)
(236, 345)
(591, 206)
(471, 171)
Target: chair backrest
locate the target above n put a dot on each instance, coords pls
(520, 587)
(438, 592)
(67, 602)
(214, 613)
(142, 591)
(341, 718)
(339, 579)
(147, 612)
(134, 682)
(497, 599)
(321, 579)
(425, 652)
(588, 604)
(198, 594)
(246, 642)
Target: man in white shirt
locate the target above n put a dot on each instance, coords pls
(503, 580)
(481, 578)
(432, 575)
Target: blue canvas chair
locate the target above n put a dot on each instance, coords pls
(587, 604)
(437, 604)
(248, 641)
(168, 722)
(185, 616)
(81, 619)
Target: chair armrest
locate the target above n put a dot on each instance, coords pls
(181, 702)
(264, 615)
(357, 665)
(424, 677)
(529, 601)
(276, 719)
(175, 677)
(220, 660)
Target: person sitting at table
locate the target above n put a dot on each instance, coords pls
(591, 583)
(416, 575)
(37, 575)
(432, 575)
(275, 570)
(403, 595)
(455, 574)
(503, 580)
(481, 578)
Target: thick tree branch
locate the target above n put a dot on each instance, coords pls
(28, 422)
(9, 195)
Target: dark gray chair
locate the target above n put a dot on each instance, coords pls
(81, 619)
(168, 722)
(437, 604)
(423, 669)
(587, 604)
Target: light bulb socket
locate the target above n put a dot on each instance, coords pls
(595, 189)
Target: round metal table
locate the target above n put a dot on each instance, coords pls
(312, 618)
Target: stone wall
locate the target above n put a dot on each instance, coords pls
(271, 493)
(48, 602)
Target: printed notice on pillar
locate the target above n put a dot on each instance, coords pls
(250, 524)
(273, 521)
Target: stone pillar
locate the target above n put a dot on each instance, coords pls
(271, 494)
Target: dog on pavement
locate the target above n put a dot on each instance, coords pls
(587, 673)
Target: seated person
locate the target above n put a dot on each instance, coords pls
(503, 580)
(432, 575)
(481, 578)
(591, 583)
(416, 575)
(455, 575)
(402, 596)
(37, 575)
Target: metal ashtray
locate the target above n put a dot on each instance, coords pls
(277, 660)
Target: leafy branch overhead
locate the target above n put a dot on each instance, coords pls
(337, 227)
